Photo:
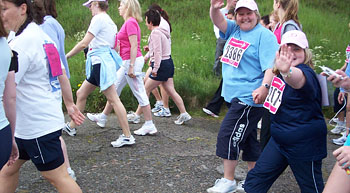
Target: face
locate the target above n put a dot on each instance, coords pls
(246, 19)
(121, 9)
(230, 16)
(232, 3)
(13, 16)
(298, 54)
(94, 8)
(149, 25)
(263, 24)
(275, 5)
(273, 22)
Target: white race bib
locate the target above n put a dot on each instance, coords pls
(234, 51)
(274, 99)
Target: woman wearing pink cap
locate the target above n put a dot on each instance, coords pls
(247, 72)
(298, 129)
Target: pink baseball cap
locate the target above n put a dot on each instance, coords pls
(250, 4)
(295, 37)
(88, 3)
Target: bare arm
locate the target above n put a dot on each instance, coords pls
(81, 45)
(133, 53)
(10, 99)
(260, 93)
(216, 17)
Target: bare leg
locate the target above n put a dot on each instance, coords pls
(338, 181)
(61, 180)
(229, 169)
(9, 177)
(65, 153)
(251, 165)
(119, 109)
(165, 97)
(170, 89)
(155, 91)
(82, 94)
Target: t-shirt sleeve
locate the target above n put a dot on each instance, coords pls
(267, 50)
(95, 25)
(14, 62)
(231, 27)
(131, 27)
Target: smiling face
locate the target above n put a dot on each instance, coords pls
(298, 54)
(13, 16)
(246, 19)
(122, 9)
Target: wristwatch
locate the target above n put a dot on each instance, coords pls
(266, 85)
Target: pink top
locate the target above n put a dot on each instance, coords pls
(277, 33)
(159, 46)
(130, 27)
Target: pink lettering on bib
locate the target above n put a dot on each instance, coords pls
(54, 59)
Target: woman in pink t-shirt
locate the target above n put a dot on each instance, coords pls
(128, 45)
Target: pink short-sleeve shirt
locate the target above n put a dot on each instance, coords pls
(130, 27)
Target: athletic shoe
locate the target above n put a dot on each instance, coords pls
(97, 118)
(71, 173)
(132, 117)
(146, 129)
(182, 118)
(157, 107)
(123, 140)
(208, 112)
(70, 131)
(165, 112)
(340, 127)
(223, 185)
(240, 187)
(340, 141)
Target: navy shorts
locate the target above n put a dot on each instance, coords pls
(45, 152)
(165, 71)
(95, 75)
(5, 145)
(271, 165)
(238, 132)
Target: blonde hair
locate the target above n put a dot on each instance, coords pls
(291, 8)
(133, 9)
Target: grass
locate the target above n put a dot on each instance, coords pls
(193, 42)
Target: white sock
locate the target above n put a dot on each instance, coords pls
(159, 102)
(150, 122)
(103, 116)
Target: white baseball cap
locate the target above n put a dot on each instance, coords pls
(295, 37)
(88, 3)
(250, 4)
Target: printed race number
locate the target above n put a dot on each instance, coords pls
(274, 99)
(234, 51)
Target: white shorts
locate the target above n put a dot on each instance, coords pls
(136, 84)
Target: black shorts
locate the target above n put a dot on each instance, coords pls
(95, 75)
(165, 71)
(45, 152)
(5, 145)
(238, 132)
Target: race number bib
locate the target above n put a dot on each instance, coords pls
(347, 51)
(234, 51)
(274, 99)
(54, 59)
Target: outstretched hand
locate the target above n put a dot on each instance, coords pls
(342, 155)
(14, 154)
(75, 114)
(284, 59)
(217, 4)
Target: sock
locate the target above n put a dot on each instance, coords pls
(103, 116)
(150, 122)
(159, 102)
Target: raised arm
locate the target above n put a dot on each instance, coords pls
(216, 17)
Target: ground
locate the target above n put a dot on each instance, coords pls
(176, 159)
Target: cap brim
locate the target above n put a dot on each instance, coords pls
(87, 4)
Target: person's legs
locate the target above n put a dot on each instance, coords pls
(265, 129)
(170, 89)
(338, 181)
(216, 102)
(9, 176)
(165, 97)
(61, 180)
(220, 43)
(268, 168)
(308, 175)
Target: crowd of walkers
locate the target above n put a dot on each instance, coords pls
(267, 74)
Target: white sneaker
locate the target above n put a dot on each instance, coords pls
(132, 117)
(157, 107)
(146, 129)
(341, 140)
(182, 118)
(71, 173)
(97, 118)
(70, 131)
(240, 187)
(340, 127)
(208, 112)
(123, 140)
(223, 185)
(165, 112)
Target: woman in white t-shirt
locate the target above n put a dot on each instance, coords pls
(39, 115)
(101, 66)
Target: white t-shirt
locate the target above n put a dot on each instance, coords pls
(5, 60)
(104, 30)
(38, 102)
(224, 12)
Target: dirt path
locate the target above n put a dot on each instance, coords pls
(176, 159)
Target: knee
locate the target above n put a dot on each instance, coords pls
(81, 95)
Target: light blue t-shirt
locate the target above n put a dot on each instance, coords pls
(5, 60)
(55, 31)
(240, 82)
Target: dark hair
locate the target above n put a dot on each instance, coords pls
(162, 12)
(35, 12)
(231, 11)
(3, 32)
(103, 5)
(50, 8)
(266, 19)
(153, 16)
